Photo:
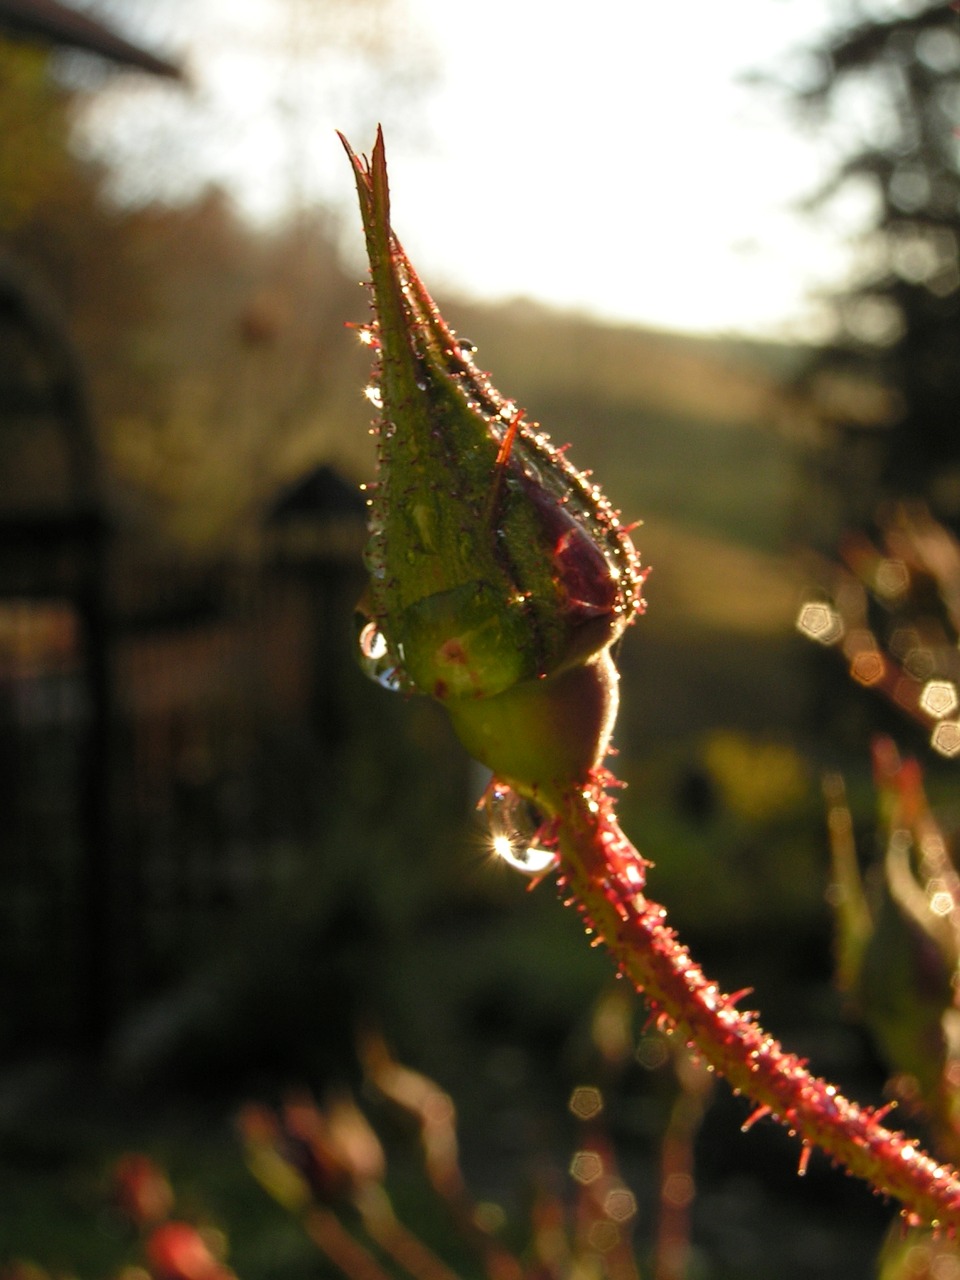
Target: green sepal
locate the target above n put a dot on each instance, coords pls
(466, 642)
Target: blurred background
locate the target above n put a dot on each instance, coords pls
(716, 251)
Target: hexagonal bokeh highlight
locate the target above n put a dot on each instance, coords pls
(939, 698)
(586, 1101)
(946, 738)
(819, 621)
(603, 1236)
(892, 579)
(620, 1204)
(868, 667)
(586, 1167)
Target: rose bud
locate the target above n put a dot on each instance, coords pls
(500, 576)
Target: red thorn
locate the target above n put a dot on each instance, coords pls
(506, 444)
(753, 1117)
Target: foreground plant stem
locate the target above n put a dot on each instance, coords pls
(604, 876)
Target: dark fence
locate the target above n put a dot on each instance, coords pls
(177, 741)
(228, 706)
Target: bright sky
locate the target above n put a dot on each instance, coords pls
(613, 163)
(601, 157)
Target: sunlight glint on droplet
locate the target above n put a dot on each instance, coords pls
(516, 832)
(376, 660)
(527, 859)
(373, 643)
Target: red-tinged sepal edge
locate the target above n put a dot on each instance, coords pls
(500, 578)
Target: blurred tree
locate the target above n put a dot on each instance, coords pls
(244, 376)
(271, 83)
(886, 86)
(215, 352)
(32, 115)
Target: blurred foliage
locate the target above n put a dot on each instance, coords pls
(758, 781)
(891, 614)
(216, 356)
(315, 67)
(34, 163)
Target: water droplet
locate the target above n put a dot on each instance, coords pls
(372, 392)
(373, 643)
(517, 833)
(377, 661)
(388, 429)
(392, 679)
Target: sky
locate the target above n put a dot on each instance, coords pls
(626, 169)
(609, 159)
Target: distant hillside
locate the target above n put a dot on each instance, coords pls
(680, 427)
(713, 380)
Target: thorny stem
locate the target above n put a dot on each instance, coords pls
(604, 875)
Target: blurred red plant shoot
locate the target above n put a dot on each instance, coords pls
(178, 1251)
(141, 1190)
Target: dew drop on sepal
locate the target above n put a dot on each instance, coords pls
(377, 661)
(373, 643)
(517, 832)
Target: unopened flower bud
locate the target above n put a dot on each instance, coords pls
(500, 575)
